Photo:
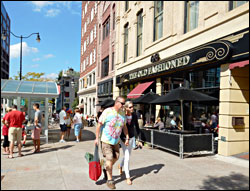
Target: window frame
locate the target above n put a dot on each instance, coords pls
(160, 14)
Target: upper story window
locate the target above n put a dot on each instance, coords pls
(92, 14)
(106, 28)
(105, 67)
(235, 4)
(125, 43)
(86, 8)
(139, 33)
(126, 5)
(191, 15)
(158, 19)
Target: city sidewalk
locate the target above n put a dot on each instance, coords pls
(62, 166)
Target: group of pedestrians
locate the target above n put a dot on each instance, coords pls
(67, 121)
(13, 130)
(116, 126)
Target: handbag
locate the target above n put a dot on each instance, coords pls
(89, 157)
(95, 169)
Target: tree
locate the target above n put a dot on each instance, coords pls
(32, 76)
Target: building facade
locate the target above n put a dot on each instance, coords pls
(193, 43)
(106, 50)
(69, 84)
(88, 60)
(5, 44)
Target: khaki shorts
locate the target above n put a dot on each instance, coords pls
(15, 134)
(110, 152)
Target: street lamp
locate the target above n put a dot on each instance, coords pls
(4, 36)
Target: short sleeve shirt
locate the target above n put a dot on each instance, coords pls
(38, 115)
(62, 114)
(15, 118)
(112, 124)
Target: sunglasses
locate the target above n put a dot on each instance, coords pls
(122, 103)
(131, 107)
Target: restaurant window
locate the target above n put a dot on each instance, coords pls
(125, 43)
(191, 15)
(126, 5)
(106, 28)
(139, 33)
(235, 4)
(158, 19)
(105, 67)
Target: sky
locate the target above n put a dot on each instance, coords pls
(59, 26)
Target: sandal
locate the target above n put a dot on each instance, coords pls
(129, 182)
(10, 157)
(20, 155)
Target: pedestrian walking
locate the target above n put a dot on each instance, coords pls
(62, 118)
(14, 120)
(132, 125)
(5, 132)
(77, 120)
(112, 122)
(37, 128)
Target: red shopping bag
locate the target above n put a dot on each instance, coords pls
(95, 169)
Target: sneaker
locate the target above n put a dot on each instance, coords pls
(105, 174)
(110, 184)
(62, 141)
(77, 141)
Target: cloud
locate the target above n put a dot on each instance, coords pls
(40, 4)
(53, 8)
(36, 59)
(52, 12)
(35, 66)
(48, 56)
(50, 76)
(26, 50)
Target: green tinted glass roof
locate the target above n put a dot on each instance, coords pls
(28, 87)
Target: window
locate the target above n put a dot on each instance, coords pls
(91, 36)
(66, 94)
(113, 60)
(85, 27)
(67, 84)
(92, 14)
(191, 15)
(82, 32)
(90, 59)
(84, 66)
(87, 60)
(83, 14)
(126, 5)
(86, 8)
(235, 4)
(158, 19)
(84, 49)
(105, 67)
(125, 43)
(139, 33)
(90, 80)
(95, 7)
(106, 26)
(94, 54)
(94, 78)
(94, 32)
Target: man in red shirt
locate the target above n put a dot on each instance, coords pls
(14, 120)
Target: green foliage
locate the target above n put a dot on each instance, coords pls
(75, 103)
(32, 76)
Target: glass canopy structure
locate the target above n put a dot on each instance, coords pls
(28, 89)
(32, 92)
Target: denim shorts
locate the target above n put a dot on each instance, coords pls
(77, 128)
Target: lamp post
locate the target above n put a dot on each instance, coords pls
(4, 35)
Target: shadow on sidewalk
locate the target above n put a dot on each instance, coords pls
(234, 181)
(48, 149)
(135, 173)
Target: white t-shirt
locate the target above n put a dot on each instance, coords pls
(77, 118)
(62, 114)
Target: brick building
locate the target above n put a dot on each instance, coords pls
(87, 81)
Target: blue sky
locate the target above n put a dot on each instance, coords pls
(59, 25)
